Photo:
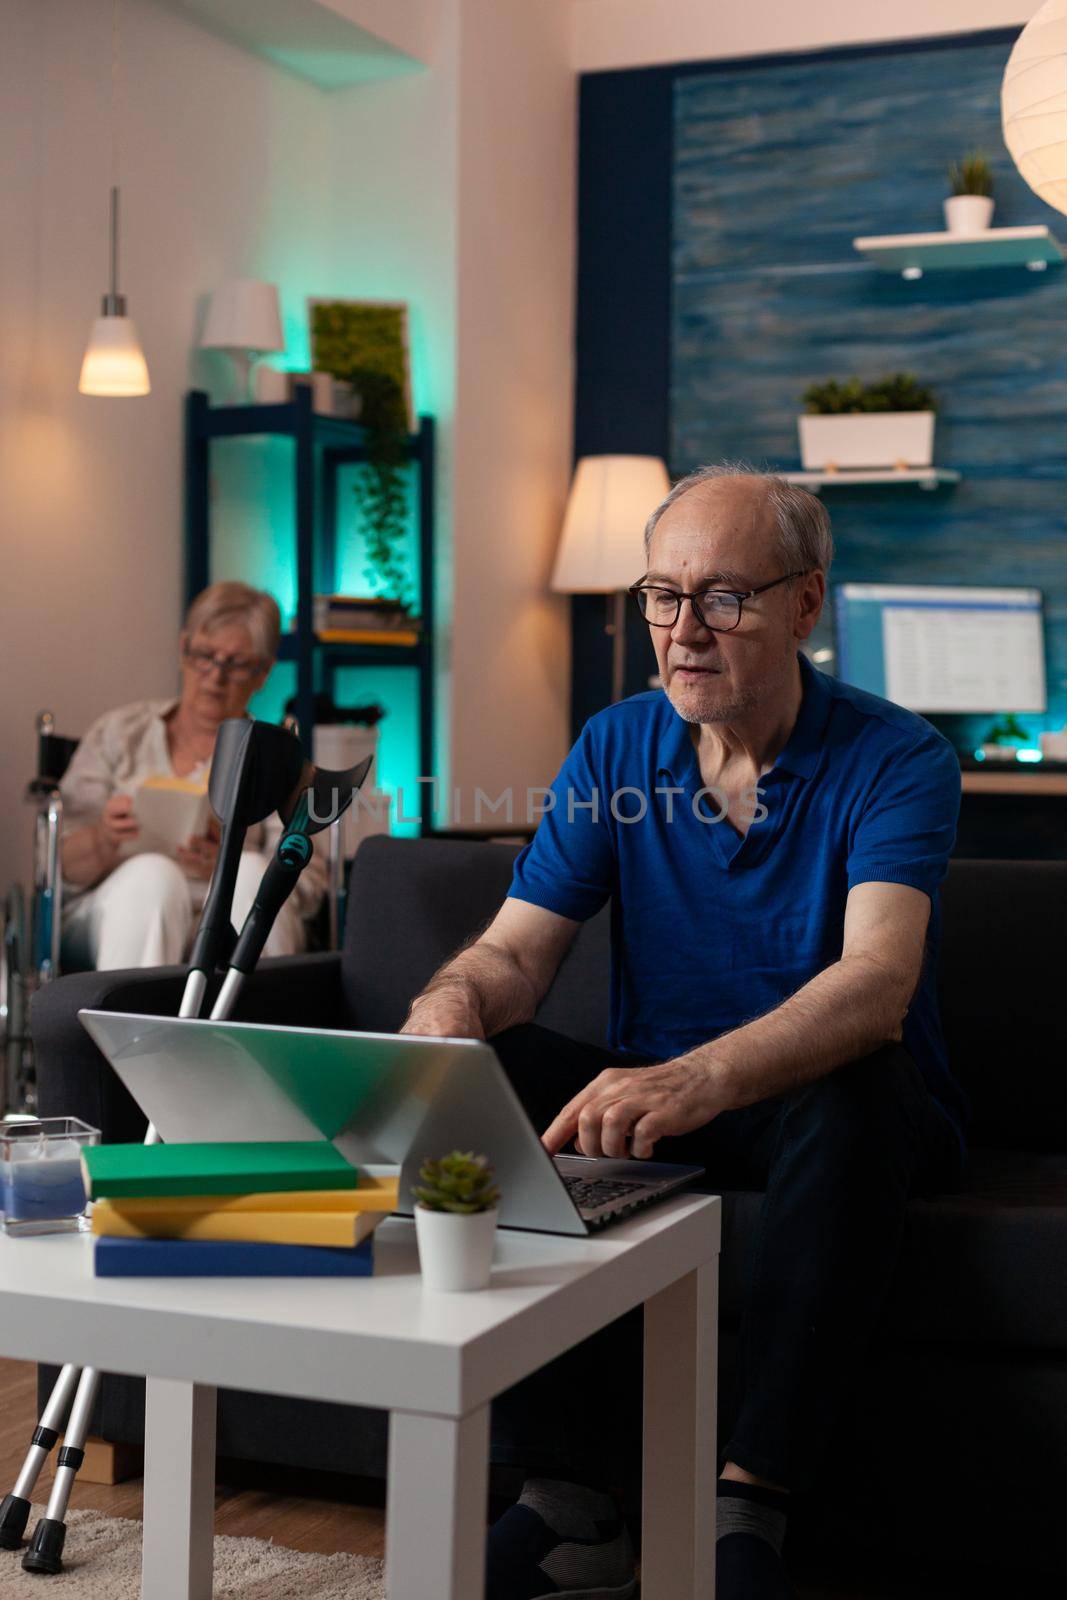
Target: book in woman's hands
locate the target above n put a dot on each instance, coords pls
(171, 811)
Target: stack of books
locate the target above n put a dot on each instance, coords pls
(232, 1210)
(363, 619)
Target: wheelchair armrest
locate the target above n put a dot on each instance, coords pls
(74, 1079)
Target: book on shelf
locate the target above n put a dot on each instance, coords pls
(215, 1258)
(395, 636)
(126, 1219)
(347, 612)
(114, 1170)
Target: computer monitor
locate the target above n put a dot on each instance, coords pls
(937, 648)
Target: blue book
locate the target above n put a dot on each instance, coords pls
(229, 1258)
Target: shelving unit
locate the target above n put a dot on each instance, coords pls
(913, 254)
(909, 477)
(322, 445)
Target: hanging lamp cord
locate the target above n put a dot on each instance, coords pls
(114, 299)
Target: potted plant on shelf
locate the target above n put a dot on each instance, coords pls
(455, 1220)
(969, 208)
(852, 425)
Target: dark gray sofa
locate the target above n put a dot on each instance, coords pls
(957, 1441)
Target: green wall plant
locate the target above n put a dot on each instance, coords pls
(366, 344)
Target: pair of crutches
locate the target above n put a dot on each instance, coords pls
(257, 768)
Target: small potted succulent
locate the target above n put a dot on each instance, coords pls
(969, 207)
(455, 1220)
(851, 425)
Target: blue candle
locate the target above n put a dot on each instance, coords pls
(43, 1190)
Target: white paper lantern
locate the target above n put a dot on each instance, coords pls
(1033, 103)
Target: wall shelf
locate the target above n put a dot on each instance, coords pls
(892, 477)
(322, 445)
(912, 254)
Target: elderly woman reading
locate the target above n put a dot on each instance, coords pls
(127, 906)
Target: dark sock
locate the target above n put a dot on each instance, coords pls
(750, 1508)
(573, 1510)
(750, 1529)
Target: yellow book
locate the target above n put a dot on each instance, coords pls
(128, 1219)
(371, 1194)
(368, 636)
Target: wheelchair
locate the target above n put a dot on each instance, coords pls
(32, 935)
(31, 942)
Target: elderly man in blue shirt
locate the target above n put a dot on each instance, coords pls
(772, 841)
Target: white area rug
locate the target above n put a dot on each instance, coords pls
(102, 1561)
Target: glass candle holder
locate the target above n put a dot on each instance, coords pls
(42, 1189)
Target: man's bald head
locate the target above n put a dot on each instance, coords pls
(766, 506)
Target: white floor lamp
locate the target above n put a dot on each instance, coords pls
(601, 548)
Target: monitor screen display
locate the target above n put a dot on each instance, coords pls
(944, 649)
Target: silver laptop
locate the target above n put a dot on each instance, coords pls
(384, 1099)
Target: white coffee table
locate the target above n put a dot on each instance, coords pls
(433, 1361)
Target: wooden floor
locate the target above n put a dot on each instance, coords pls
(299, 1521)
(323, 1520)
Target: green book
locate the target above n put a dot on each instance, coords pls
(170, 1169)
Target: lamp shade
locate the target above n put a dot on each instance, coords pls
(601, 548)
(1033, 103)
(244, 315)
(114, 363)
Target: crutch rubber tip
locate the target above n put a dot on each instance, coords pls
(14, 1515)
(45, 1552)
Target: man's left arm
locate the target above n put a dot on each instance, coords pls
(898, 855)
(844, 1012)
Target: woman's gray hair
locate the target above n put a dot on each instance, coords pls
(805, 543)
(254, 609)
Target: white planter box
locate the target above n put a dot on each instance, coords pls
(968, 213)
(867, 439)
(455, 1251)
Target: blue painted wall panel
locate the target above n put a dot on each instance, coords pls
(776, 169)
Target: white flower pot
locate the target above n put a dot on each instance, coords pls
(867, 439)
(455, 1251)
(968, 213)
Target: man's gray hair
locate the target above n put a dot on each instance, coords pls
(805, 543)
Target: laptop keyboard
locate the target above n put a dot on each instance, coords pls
(588, 1193)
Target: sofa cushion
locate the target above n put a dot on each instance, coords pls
(413, 902)
(1000, 982)
(982, 1267)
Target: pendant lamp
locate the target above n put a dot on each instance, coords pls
(114, 363)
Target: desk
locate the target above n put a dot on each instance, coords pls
(433, 1361)
(1011, 811)
(1012, 780)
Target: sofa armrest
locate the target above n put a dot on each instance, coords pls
(74, 1079)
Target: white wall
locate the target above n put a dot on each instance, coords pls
(224, 172)
(451, 188)
(454, 190)
(517, 155)
(642, 33)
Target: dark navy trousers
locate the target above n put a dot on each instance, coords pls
(836, 1161)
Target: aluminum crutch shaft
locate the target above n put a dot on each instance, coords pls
(45, 1552)
(15, 1509)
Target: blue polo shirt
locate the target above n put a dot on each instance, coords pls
(709, 929)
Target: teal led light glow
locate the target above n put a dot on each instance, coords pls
(397, 766)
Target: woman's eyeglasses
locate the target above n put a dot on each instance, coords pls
(239, 668)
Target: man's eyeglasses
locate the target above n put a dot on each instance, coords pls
(717, 609)
(239, 668)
